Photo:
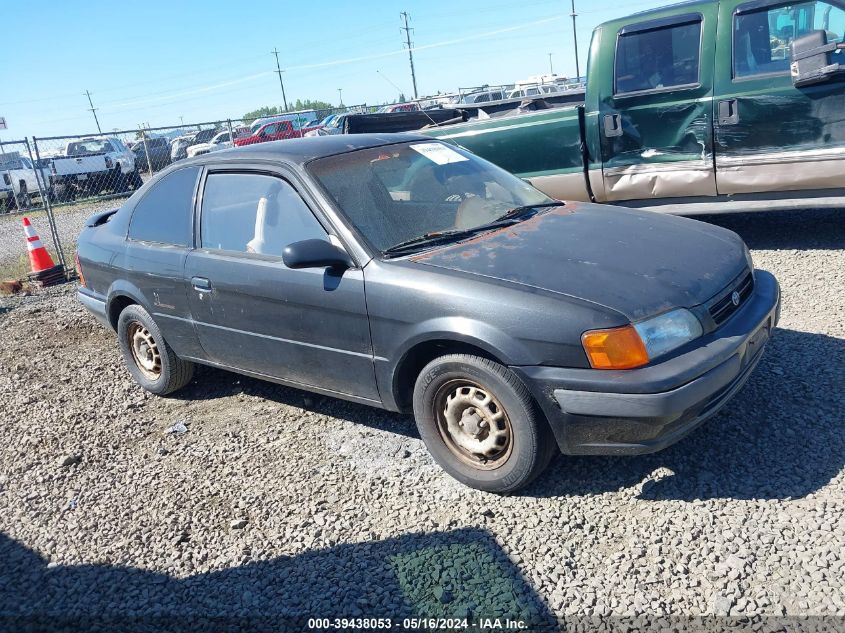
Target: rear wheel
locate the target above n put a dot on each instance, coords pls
(135, 179)
(147, 356)
(24, 199)
(481, 424)
(118, 183)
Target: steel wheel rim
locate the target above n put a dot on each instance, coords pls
(473, 424)
(145, 351)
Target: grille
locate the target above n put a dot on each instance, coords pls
(722, 310)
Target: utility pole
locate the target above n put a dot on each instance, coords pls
(281, 83)
(340, 97)
(575, 41)
(551, 68)
(93, 111)
(407, 30)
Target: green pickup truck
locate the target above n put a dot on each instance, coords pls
(707, 106)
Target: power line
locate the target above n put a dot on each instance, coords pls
(93, 111)
(281, 83)
(407, 30)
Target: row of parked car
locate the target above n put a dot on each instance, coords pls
(91, 166)
(87, 166)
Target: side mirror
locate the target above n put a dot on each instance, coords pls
(811, 59)
(315, 254)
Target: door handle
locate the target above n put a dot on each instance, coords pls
(612, 125)
(201, 284)
(728, 112)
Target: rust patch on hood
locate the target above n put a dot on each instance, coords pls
(498, 238)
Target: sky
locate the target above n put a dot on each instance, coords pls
(161, 62)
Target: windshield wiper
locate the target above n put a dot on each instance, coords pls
(439, 237)
(428, 239)
(519, 211)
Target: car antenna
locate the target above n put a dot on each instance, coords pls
(428, 116)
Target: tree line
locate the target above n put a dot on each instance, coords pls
(300, 104)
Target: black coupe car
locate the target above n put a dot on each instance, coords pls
(411, 275)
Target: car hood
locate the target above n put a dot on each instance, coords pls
(639, 263)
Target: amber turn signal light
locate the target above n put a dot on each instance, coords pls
(618, 348)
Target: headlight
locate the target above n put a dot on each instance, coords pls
(668, 331)
(636, 345)
(748, 257)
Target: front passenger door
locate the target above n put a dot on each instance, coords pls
(770, 135)
(655, 111)
(304, 327)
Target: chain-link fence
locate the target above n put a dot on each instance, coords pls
(102, 165)
(78, 174)
(23, 183)
(25, 186)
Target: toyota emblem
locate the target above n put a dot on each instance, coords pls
(735, 298)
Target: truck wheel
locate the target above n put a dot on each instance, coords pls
(135, 179)
(24, 200)
(148, 357)
(117, 181)
(481, 424)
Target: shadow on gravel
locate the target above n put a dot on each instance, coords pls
(781, 437)
(449, 574)
(213, 384)
(810, 229)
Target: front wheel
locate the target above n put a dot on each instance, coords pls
(481, 424)
(147, 356)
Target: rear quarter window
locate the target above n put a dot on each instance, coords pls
(165, 213)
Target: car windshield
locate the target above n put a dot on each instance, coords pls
(88, 146)
(403, 193)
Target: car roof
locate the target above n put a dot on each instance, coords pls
(299, 151)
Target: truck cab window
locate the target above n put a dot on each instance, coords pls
(658, 58)
(762, 39)
(165, 212)
(254, 213)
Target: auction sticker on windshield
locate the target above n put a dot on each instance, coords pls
(438, 153)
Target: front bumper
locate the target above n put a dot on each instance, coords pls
(597, 412)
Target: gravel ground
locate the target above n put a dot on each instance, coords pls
(276, 503)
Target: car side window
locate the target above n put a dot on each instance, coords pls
(762, 39)
(270, 129)
(662, 57)
(165, 212)
(254, 213)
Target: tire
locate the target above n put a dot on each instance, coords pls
(163, 372)
(24, 199)
(476, 394)
(135, 179)
(117, 181)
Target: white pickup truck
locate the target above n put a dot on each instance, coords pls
(19, 182)
(92, 165)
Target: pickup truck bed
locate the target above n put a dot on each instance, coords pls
(545, 147)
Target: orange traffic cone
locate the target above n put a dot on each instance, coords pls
(39, 258)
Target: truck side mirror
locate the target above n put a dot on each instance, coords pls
(811, 59)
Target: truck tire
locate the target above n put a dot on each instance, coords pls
(481, 424)
(117, 182)
(148, 357)
(24, 199)
(135, 179)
